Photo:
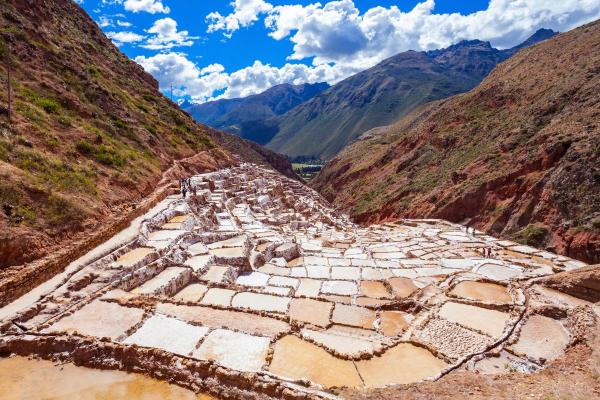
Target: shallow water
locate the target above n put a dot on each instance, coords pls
(482, 291)
(29, 379)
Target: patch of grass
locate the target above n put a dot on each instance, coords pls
(55, 174)
(5, 150)
(531, 235)
(119, 123)
(65, 121)
(61, 212)
(93, 71)
(32, 114)
(49, 105)
(101, 153)
(52, 142)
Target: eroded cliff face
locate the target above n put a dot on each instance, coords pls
(518, 156)
(90, 134)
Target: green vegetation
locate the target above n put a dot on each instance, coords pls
(532, 235)
(49, 105)
(101, 153)
(307, 171)
(51, 173)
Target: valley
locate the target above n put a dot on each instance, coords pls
(346, 218)
(254, 285)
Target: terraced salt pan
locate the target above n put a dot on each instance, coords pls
(451, 339)
(498, 272)
(308, 288)
(234, 350)
(134, 256)
(168, 281)
(198, 263)
(541, 338)
(197, 249)
(255, 279)
(215, 274)
(374, 289)
(294, 358)
(404, 363)
(228, 252)
(214, 318)
(491, 322)
(393, 323)
(165, 235)
(341, 344)
(402, 287)
(354, 316)
(482, 291)
(218, 297)
(351, 273)
(339, 287)
(100, 319)
(311, 311)
(261, 302)
(191, 293)
(284, 281)
(342, 302)
(168, 334)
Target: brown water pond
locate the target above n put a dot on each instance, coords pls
(30, 379)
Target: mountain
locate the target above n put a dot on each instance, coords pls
(90, 136)
(251, 117)
(322, 126)
(518, 156)
(252, 152)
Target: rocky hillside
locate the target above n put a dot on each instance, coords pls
(322, 126)
(519, 156)
(253, 152)
(252, 117)
(90, 134)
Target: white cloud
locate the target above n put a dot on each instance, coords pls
(201, 84)
(123, 24)
(245, 13)
(337, 32)
(149, 6)
(104, 21)
(124, 37)
(166, 36)
(338, 40)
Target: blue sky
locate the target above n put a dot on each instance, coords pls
(210, 49)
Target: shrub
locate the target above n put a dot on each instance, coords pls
(532, 235)
(49, 105)
(101, 153)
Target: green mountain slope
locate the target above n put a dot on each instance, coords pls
(322, 126)
(252, 117)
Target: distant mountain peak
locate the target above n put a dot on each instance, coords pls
(539, 36)
(251, 117)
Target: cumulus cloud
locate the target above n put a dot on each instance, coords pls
(149, 6)
(245, 13)
(119, 38)
(201, 84)
(337, 32)
(166, 36)
(336, 39)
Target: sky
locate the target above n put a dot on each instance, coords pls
(211, 49)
